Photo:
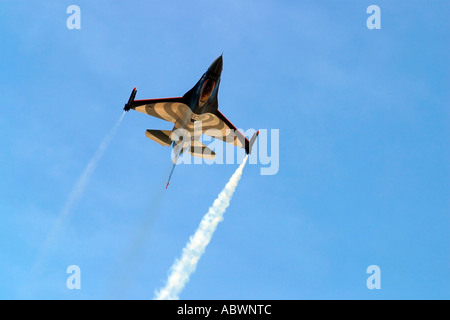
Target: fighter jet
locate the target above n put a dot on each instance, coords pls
(198, 104)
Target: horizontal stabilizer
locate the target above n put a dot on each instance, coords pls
(198, 149)
(160, 136)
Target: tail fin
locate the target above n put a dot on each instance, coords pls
(249, 145)
(170, 175)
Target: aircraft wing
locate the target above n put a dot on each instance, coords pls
(176, 111)
(169, 109)
(225, 130)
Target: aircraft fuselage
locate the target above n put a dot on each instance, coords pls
(202, 98)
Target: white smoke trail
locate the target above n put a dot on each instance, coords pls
(78, 190)
(82, 182)
(182, 268)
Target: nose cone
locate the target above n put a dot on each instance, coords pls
(215, 69)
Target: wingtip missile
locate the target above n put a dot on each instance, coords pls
(127, 106)
(249, 146)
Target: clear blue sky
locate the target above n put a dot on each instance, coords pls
(364, 174)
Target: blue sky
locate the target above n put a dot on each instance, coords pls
(364, 150)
